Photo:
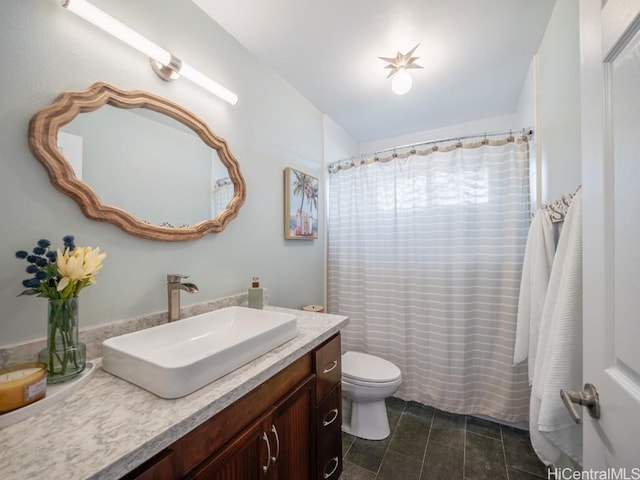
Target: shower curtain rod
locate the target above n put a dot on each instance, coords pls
(409, 149)
(524, 132)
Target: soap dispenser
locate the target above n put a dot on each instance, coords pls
(255, 293)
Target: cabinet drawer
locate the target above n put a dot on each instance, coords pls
(331, 468)
(329, 430)
(329, 414)
(328, 367)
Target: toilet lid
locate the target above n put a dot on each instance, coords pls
(368, 368)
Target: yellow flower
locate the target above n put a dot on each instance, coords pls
(78, 267)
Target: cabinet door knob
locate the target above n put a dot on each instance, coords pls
(265, 468)
(331, 413)
(275, 433)
(335, 462)
(330, 366)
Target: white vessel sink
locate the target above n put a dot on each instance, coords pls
(178, 358)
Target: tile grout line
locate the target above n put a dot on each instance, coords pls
(504, 453)
(344, 455)
(424, 454)
(464, 448)
(391, 435)
(404, 413)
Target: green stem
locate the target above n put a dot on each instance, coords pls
(62, 322)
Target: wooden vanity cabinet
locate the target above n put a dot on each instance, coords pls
(278, 445)
(287, 428)
(328, 416)
(159, 467)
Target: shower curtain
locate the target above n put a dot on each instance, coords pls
(425, 253)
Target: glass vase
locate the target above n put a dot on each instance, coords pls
(65, 356)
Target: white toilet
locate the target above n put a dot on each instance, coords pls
(367, 381)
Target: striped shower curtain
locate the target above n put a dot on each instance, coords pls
(425, 253)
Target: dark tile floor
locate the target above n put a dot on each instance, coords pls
(430, 444)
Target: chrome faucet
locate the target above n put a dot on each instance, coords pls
(174, 285)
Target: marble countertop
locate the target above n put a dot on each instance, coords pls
(109, 426)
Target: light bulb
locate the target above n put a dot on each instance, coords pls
(119, 30)
(163, 62)
(401, 82)
(187, 71)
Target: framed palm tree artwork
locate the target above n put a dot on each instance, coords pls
(300, 205)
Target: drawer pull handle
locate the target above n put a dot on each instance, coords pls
(275, 432)
(333, 470)
(265, 468)
(333, 413)
(331, 366)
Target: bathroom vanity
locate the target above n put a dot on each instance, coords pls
(286, 428)
(275, 417)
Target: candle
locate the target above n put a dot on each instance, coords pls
(21, 385)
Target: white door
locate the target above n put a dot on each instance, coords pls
(610, 102)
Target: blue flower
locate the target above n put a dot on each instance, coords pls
(47, 277)
(68, 242)
(31, 283)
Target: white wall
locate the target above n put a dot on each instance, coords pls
(338, 144)
(526, 109)
(492, 124)
(558, 81)
(45, 50)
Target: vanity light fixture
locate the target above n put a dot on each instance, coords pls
(401, 81)
(167, 66)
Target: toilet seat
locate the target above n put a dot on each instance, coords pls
(377, 385)
(363, 369)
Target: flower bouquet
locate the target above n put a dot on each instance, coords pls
(60, 275)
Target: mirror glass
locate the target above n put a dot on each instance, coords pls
(139, 161)
(148, 164)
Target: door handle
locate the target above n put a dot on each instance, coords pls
(588, 398)
(265, 468)
(274, 459)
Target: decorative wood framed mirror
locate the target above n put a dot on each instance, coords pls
(100, 161)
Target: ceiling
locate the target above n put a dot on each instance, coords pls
(475, 54)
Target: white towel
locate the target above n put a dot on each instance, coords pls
(559, 354)
(538, 259)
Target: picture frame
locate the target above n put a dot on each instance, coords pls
(301, 197)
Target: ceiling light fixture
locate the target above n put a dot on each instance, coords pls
(167, 66)
(401, 80)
